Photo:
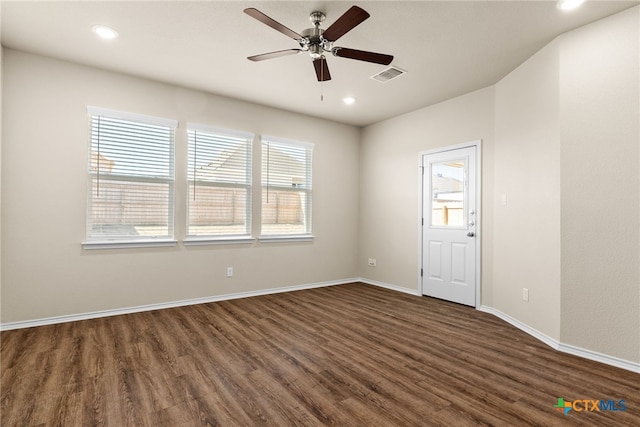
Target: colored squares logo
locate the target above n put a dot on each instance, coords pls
(563, 406)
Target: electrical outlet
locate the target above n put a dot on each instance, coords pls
(372, 262)
(525, 294)
(229, 271)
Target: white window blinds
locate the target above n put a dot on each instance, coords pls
(219, 196)
(131, 177)
(286, 188)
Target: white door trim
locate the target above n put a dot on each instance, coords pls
(478, 240)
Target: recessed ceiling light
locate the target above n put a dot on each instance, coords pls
(569, 4)
(348, 100)
(104, 33)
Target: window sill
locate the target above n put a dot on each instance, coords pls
(109, 244)
(195, 241)
(285, 238)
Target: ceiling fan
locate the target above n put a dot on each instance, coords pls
(317, 41)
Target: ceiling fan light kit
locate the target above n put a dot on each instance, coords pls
(317, 41)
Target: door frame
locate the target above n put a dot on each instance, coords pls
(478, 238)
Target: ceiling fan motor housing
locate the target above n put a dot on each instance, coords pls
(314, 42)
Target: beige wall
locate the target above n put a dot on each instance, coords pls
(526, 230)
(44, 162)
(390, 181)
(600, 184)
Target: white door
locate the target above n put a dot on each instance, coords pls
(450, 225)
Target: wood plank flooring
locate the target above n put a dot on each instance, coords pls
(349, 355)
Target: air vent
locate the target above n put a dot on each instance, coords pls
(388, 74)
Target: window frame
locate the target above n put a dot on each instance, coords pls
(307, 236)
(209, 239)
(121, 241)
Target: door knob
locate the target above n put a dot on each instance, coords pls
(471, 234)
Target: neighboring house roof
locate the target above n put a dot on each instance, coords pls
(229, 166)
(98, 161)
(445, 184)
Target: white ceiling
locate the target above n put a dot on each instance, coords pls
(448, 47)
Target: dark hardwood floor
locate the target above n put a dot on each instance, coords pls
(350, 355)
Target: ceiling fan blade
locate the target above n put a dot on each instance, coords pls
(276, 54)
(361, 55)
(348, 21)
(322, 70)
(255, 13)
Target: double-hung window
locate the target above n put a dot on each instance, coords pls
(130, 179)
(286, 189)
(219, 179)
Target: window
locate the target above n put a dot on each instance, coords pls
(286, 189)
(219, 196)
(448, 193)
(131, 178)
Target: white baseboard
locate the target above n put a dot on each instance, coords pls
(389, 286)
(599, 357)
(171, 304)
(565, 348)
(522, 326)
